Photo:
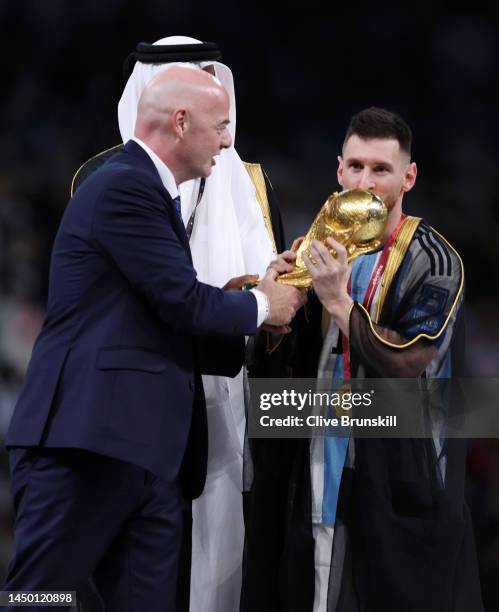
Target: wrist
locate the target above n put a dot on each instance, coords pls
(263, 306)
(340, 306)
(340, 313)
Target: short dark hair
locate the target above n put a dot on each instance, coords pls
(377, 122)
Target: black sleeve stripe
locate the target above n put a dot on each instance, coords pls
(445, 251)
(421, 230)
(435, 249)
(430, 254)
(438, 246)
(441, 253)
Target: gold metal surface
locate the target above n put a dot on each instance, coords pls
(355, 218)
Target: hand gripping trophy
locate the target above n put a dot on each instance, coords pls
(354, 217)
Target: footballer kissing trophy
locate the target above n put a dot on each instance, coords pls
(355, 218)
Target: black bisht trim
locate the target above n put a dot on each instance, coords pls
(92, 165)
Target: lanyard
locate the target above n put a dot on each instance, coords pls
(190, 223)
(376, 277)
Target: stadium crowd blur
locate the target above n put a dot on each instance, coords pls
(296, 89)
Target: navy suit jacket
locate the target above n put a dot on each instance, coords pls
(115, 369)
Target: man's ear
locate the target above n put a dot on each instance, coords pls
(339, 172)
(410, 175)
(179, 122)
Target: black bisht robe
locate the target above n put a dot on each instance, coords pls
(409, 548)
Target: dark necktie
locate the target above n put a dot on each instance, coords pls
(176, 203)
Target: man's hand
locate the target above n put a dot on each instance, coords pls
(284, 300)
(238, 282)
(330, 279)
(284, 261)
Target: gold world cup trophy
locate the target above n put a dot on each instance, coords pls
(354, 217)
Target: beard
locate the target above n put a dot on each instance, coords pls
(390, 200)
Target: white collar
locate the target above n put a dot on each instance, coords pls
(165, 174)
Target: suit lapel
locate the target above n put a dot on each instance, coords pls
(177, 223)
(146, 162)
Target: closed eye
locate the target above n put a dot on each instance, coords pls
(222, 126)
(355, 165)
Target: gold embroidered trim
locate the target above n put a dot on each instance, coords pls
(89, 160)
(271, 347)
(256, 175)
(397, 254)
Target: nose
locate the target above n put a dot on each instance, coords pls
(366, 180)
